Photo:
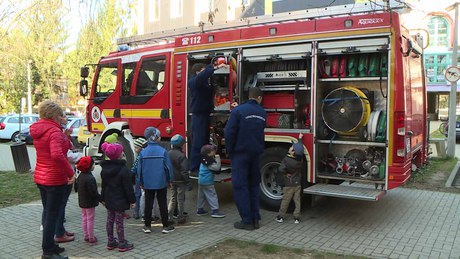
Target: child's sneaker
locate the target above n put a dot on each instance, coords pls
(112, 245)
(296, 220)
(125, 246)
(201, 212)
(166, 230)
(217, 214)
(279, 219)
(147, 229)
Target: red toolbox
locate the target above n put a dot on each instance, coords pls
(278, 101)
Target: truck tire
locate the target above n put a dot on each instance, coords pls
(128, 154)
(271, 194)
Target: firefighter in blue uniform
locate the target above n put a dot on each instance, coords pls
(244, 141)
(201, 106)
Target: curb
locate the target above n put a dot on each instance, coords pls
(452, 175)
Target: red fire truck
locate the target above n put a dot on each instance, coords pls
(353, 85)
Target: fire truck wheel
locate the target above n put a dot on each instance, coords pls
(270, 192)
(128, 154)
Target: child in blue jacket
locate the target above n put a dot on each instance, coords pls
(155, 175)
(210, 165)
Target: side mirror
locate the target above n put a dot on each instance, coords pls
(83, 87)
(84, 72)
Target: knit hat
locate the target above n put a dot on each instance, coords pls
(140, 142)
(177, 141)
(85, 163)
(206, 149)
(298, 148)
(152, 133)
(112, 151)
(111, 138)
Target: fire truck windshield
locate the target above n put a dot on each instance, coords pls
(106, 80)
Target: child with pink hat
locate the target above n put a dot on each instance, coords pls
(117, 194)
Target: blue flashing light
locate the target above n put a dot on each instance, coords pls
(123, 48)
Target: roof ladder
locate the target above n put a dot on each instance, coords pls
(308, 14)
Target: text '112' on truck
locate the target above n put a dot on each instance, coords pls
(351, 81)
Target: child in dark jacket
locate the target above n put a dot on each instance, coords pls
(139, 144)
(181, 178)
(117, 194)
(88, 197)
(210, 165)
(290, 168)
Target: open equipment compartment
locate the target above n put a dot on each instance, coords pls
(282, 73)
(351, 110)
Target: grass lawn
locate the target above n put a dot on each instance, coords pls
(235, 249)
(17, 188)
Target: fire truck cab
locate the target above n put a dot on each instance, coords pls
(353, 85)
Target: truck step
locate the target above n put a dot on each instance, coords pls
(346, 191)
(225, 175)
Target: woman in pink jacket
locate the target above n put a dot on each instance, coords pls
(53, 171)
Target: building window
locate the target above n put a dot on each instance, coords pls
(438, 28)
(154, 10)
(436, 65)
(176, 8)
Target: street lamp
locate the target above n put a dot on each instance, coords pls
(29, 89)
(453, 88)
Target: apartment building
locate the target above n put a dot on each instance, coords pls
(432, 21)
(437, 27)
(161, 15)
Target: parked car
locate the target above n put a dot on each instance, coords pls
(11, 125)
(444, 126)
(83, 133)
(24, 136)
(73, 123)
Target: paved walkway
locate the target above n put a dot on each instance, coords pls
(404, 224)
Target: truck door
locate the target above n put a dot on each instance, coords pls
(415, 99)
(105, 100)
(145, 97)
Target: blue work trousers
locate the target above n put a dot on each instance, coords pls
(200, 137)
(246, 185)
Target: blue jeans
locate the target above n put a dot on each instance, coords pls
(246, 186)
(52, 197)
(60, 230)
(138, 194)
